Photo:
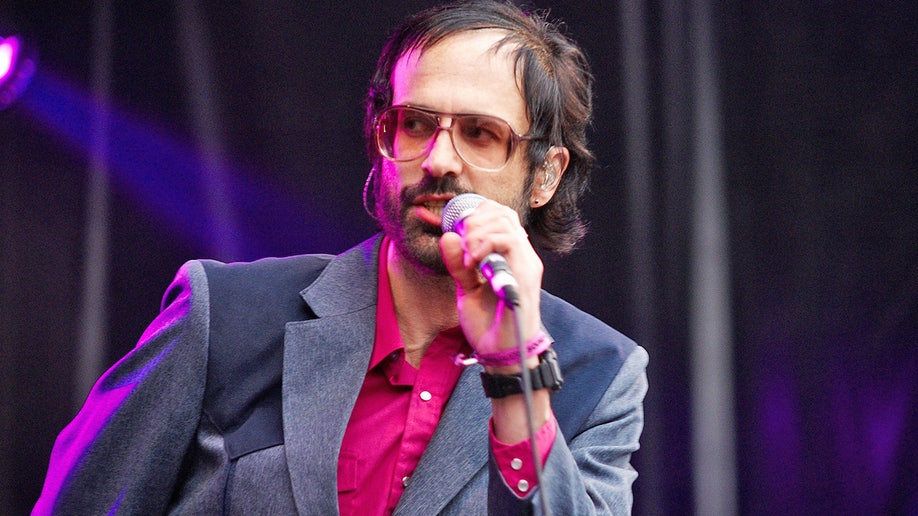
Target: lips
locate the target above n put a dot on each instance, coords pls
(428, 208)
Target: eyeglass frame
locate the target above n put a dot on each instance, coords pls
(515, 138)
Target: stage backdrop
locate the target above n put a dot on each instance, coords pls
(753, 216)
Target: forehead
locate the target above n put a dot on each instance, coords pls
(463, 73)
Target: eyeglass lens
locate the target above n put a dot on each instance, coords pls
(404, 134)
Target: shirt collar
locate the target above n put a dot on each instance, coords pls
(388, 338)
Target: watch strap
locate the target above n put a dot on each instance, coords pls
(547, 375)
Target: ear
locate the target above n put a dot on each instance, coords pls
(548, 176)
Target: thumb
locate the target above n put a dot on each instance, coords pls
(453, 256)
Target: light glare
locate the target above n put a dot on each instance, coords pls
(8, 49)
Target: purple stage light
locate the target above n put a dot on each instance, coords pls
(8, 47)
(17, 65)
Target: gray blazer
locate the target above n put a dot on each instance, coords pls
(237, 396)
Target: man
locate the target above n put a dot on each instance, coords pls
(318, 384)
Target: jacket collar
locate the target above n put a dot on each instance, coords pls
(348, 283)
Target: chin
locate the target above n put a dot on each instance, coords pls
(428, 257)
(417, 241)
(422, 249)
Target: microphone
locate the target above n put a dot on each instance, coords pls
(493, 267)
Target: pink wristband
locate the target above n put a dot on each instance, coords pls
(535, 346)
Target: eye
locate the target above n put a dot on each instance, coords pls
(484, 130)
(416, 123)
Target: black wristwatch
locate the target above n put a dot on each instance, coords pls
(546, 376)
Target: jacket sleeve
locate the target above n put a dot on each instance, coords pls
(592, 473)
(123, 451)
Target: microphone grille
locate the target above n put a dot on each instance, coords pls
(457, 209)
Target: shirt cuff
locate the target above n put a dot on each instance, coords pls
(514, 461)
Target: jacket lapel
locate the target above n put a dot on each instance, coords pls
(325, 361)
(457, 451)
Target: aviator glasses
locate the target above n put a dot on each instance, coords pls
(405, 133)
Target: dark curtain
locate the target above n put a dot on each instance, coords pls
(818, 109)
(821, 105)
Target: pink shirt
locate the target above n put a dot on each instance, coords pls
(397, 411)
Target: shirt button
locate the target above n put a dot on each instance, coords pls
(426, 396)
(405, 481)
(516, 464)
(523, 486)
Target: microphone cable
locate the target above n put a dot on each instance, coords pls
(528, 401)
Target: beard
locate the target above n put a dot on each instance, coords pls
(416, 240)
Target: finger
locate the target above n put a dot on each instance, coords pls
(495, 232)
(466, 278)
(507, 245)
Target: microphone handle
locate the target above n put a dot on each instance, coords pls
(496, 270)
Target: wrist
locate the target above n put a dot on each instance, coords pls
(511, 357)
(515, 369)
(546, 375)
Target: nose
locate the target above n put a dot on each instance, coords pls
(442, 159)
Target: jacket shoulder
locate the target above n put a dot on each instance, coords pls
(250, 304)
(591, 354)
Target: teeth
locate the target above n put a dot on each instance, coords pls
(435, 206)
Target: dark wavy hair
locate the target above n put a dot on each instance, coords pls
(557, 86)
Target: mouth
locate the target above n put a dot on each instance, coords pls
(429, 208)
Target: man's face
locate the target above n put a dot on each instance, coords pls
(461, 74)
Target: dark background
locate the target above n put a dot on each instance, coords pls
(818, 106)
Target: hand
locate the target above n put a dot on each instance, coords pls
(486, 320)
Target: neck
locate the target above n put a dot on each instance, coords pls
(425, 304)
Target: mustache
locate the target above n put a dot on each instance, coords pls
(432, 186)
